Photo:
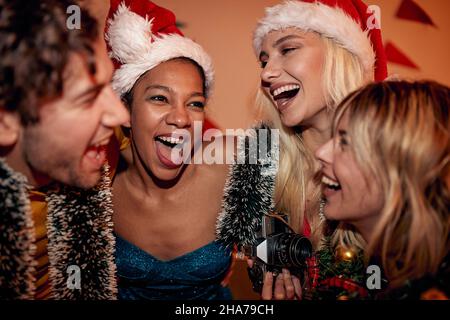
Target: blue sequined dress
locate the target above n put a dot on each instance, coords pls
(195, 275)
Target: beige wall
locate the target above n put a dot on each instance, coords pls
(224, 28)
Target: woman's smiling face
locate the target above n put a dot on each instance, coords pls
(292, 64)
(352, 195)
(167, 100)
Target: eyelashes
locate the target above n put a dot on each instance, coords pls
(197, 104)
(343, 143)
(160, 99)
(284, 51)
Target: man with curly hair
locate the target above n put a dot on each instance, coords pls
(57, 114)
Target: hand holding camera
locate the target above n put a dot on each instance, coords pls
(283, 286)
(267, 239)
(278, 253)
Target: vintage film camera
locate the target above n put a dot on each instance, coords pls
(278, 246)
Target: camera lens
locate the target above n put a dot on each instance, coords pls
(291, 250)
(300, 248)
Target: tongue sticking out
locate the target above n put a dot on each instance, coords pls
(170, 157)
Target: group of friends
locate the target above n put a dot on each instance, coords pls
(89, 122)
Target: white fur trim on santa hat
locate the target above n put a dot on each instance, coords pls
(164, 48)
(330, 22)
(129, 37)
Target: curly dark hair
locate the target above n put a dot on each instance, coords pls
(35, 46)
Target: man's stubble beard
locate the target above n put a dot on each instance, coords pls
(58, 165)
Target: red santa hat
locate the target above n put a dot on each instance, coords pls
(141, 35)
(344, 21)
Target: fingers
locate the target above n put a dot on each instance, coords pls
(266, 293)
(288, 285)
(279, 291)
(297, 287)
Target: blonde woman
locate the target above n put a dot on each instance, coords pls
(387, 173)
(312, 54)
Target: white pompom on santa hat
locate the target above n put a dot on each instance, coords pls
(343, 21)
(141, 35)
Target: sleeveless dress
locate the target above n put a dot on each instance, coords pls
(194, 275)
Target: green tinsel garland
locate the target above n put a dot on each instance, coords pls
(335, 267)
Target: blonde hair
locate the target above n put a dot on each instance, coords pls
(400, 133)
(342, 74)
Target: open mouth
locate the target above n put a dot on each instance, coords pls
(95, 151)
(285, 94)
(169, 150)
(331, 184)
(95, 154)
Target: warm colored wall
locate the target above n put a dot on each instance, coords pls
(427, 46)
(224, 28)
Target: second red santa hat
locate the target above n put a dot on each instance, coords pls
(344, 21)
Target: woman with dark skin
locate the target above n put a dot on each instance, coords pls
(165, 208)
